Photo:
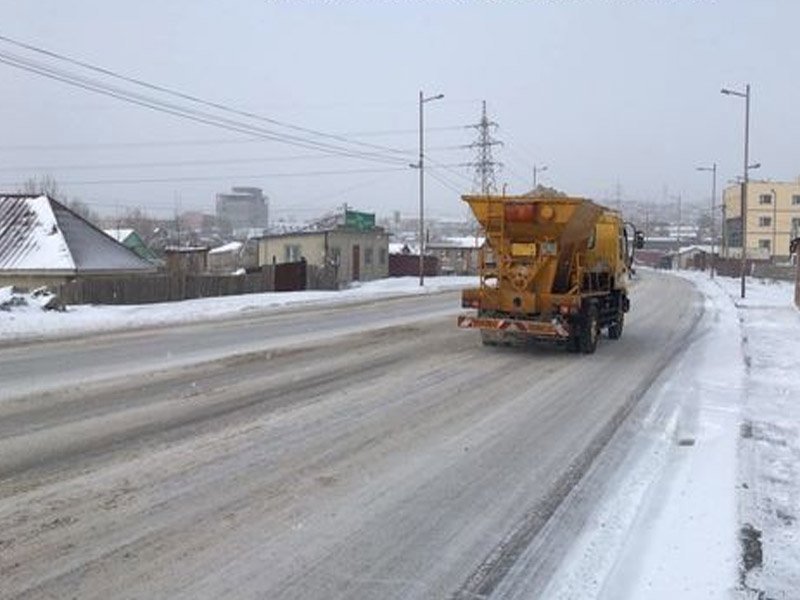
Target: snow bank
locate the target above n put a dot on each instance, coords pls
(707, 500)
(30, 322)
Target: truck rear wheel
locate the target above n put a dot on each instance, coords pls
(615, 327)
(587, 338)
(490, 338)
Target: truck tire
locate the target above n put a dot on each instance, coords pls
(573, 343)
(490, 338)
(587, 339)
(615, 327)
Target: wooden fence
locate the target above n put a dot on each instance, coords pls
(405, 265)
(170, 287)
(144, 289)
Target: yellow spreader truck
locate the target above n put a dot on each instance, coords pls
(551, 268)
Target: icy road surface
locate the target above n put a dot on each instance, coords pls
(371, 451)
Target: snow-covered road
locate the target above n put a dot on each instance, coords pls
(383, 453)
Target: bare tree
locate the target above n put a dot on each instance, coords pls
(80, 207)
(47, 184)
(138, 220)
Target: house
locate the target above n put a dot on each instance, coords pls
(42, 242)
(457, 255)
(695, 257)
(186, 260)
(132, 240)
(224, 259)
(355, 250)
(234, 257)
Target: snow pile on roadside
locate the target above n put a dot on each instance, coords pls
(41, 298)
(6, 295)
(769, 450)
(706, 503)
(29, 322)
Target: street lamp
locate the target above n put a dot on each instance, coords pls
(743, 208)
(421, 167)
(713, 170)
(536, 171)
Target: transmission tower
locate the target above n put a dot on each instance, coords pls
(485, 166)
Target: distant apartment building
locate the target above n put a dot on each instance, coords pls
(773, 219)
(243, 211)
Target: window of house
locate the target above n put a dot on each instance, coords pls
(765, 244)
(795, 226)
(382, 256)
(796, 199)
(291, 252)
(764, 221)
(765, 199)
(367, 256)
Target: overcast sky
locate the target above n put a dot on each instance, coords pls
(605, 94)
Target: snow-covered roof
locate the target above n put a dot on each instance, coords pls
(185, 249)
(119, 234)
(41, 235)
(229, 247)
(396, 247)
(399, 248)
(695, 248)
(469, 241)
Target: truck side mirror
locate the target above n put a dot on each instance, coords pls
(639, 240)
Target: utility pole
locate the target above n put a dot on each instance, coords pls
(484, 164)
(678, 233)
(421, 167)
(713, 170)
(724, 232)
(536, 170)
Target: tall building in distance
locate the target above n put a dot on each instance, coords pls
(243, 211)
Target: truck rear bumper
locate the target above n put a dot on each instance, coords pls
(555, 329)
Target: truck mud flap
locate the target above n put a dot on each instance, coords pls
(554, 329)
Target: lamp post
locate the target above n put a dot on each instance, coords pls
(680, 226)
(743, 208)
(713, 169)
(421, 167)
(536, 171)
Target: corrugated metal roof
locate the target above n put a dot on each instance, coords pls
(39, 234)
(29, 236)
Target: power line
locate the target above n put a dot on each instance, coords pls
(218, 177)
(446, 183)
(451, 168)
(222, 177)
(167, 164)
(192, 98)
(210, 142)
(187, 113)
